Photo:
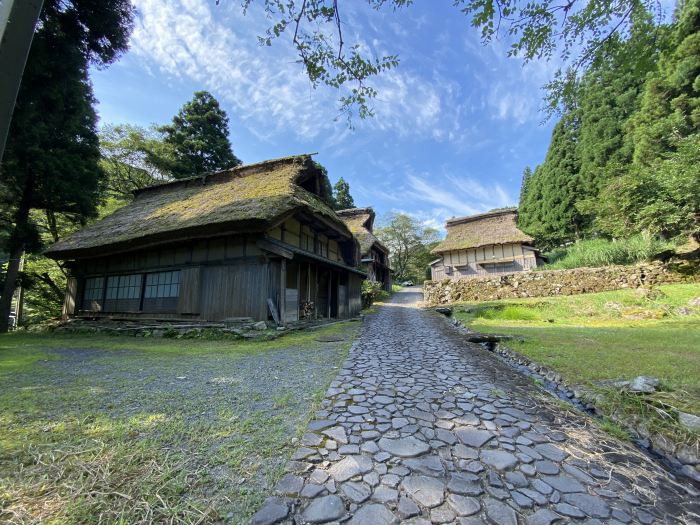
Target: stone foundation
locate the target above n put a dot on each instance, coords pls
(551, 282)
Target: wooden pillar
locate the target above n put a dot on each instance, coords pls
(283, 291)
(70, 298)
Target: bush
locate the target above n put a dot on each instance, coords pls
(372, 291)
(602, 252)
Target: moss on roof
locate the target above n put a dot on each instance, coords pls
(360, 222)
(247, 198)
(497, 227)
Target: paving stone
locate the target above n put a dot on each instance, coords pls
(521, 500)
(464, 505)
(499, 513)
(355, 491)
(337, 434)
(498, 459)
(404, 447)
(546, 467)
(399, 422)
(289, 485)
(569, 510)
(563, 483)
(374, 514)
(473, 437)
(385, 495)
(543, 517)
(320, 424)
(465, 484)
(311, 490)
(429, 465)
(464, 452)
(442, 514)
(273, 511)
(427, 491)
(325, 509)
(407, 508)
(593, 506)
(517, 479)
(370, 447)
(551, 451)
(349, 467)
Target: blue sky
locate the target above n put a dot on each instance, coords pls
(454, 125)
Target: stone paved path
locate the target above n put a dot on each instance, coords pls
(420, 427)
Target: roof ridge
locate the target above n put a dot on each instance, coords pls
(233, 171)
(484, 215)
(355, 211)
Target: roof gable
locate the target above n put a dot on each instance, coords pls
(248, 198)
(497, 227)
(360, 221)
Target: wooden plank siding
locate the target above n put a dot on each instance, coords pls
(228, 276)
(483, 261)
(234, 291)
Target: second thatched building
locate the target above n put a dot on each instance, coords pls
(485, 244)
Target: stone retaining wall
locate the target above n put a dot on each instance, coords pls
(550, 282)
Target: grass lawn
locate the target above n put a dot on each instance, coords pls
(100, 429)
(611, 335)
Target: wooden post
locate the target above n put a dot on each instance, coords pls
(283, 291)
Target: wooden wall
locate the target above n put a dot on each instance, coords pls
(236, 290)
(464, 264)
(230, 276)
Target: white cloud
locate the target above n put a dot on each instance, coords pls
(217, 48)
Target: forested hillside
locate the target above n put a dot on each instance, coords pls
(624, 157)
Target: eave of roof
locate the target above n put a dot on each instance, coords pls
(246, 199)
(485, 229)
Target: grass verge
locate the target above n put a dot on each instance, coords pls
(128, 430)
(594, 338)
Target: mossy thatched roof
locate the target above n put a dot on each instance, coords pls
(360, 222)
(496, 227)
(249, 198)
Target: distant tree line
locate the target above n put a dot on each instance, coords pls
(624, 157)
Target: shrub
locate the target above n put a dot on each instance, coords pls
(372, 291)
(602, 252)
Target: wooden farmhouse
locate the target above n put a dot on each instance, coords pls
(255, 241)
(374, 255)
(485, 244)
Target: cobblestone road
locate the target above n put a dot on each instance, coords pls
(420, 427)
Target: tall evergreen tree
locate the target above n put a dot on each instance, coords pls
(199, 136)
(670, 108)
(548, 210)
(660, 193)
(341, 195)
(51, 160)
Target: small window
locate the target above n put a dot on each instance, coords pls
(94, 286)
(124, 287)
(123, 293)
(162, 284)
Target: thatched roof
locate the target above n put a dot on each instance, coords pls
(495, 227)
(250, 198)
(360, 222)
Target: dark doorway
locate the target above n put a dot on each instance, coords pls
(334, 294)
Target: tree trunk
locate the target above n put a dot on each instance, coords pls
(9, 288)
(16, 250)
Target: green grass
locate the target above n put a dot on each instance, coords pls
(592, 338)
(130, 430)
(602, 252)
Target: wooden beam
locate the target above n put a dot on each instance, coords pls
(274, 248)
